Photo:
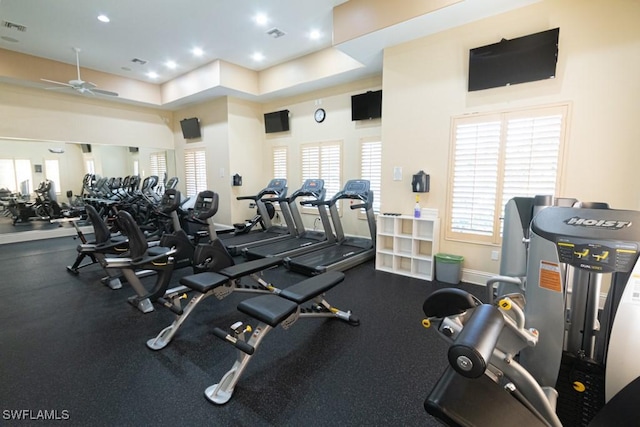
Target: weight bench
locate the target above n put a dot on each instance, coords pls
(283, 308)
(221, 284)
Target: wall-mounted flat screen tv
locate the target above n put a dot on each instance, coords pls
(520, 60)
(366, 106)
(190, 128)
(278, 121)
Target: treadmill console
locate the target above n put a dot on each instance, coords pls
(276, 186)
(356, 187)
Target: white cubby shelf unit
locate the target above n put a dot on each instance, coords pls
(406, 245)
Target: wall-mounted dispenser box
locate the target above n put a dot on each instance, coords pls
(237, 180)
(420, 183)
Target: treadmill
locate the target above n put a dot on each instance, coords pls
(346, 252)
(275, 191)
(306, 240)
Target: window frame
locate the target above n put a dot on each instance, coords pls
(200, 177)
(376, 184)
(503, 116)
(329, 182)
(277, 153)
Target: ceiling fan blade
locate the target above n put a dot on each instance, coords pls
(104, 92)
(57, 83)
(89, 85)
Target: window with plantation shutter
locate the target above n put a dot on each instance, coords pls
(497, 157)
(323, 161)
(159, 164)
(280, 162)
(371, 167)
(195, 169)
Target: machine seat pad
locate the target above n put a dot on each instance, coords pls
(312, 287)
(270, 309)
(245, 268)
(204, 282)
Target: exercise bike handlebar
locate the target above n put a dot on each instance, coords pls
(470, 352)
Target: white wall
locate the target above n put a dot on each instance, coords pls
(425, 86)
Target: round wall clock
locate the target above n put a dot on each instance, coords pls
(320, 115)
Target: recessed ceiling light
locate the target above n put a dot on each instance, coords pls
(257, 56)
(261, 19)
(171, 64)
(152, 75)
(103, 18)
(197, 51)
(314, 35)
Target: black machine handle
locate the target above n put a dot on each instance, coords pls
(239, 344)
(472, 349)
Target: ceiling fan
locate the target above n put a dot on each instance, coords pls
(78, 84)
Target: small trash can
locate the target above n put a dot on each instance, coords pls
(449, 268)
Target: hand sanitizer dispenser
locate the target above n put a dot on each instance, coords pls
(420, 183)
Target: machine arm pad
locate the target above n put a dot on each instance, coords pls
(470, 353)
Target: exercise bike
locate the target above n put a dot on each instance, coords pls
(45, 207)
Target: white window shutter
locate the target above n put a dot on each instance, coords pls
(195, 168)
(476, 159)
(280, 162)
(371, 168)
(531, 156)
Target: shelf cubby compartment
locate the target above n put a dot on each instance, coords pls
(402, 264)
(385, 244)
(386, 225)
(422, 268)
(423, 248)
(384, 262)
(424, 229)
(402, 246)
(405, 226)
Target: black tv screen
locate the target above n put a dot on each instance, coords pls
(520, 60)
(366, 106)
(278, 121)
(190, 128)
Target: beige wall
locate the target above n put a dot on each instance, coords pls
(214, 128)
(336, 127)
(425, 86)
(424, 83)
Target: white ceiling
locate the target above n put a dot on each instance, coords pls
(160, 30)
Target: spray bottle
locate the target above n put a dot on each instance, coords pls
(416, 208)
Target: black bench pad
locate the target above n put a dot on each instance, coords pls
(239, 270)
(312, 287)
(269, 308)
(204, 282)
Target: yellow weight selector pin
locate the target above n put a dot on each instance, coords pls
(426, 323)
(505, 304)
(579, 387)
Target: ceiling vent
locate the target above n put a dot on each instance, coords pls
(139, 61)
(275, 33)
(12, 26)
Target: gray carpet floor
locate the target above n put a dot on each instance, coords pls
(71, 345)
